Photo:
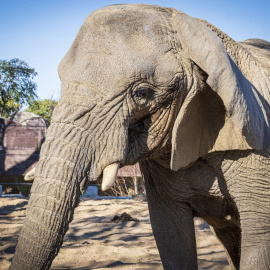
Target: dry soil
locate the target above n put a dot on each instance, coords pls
(93, 242)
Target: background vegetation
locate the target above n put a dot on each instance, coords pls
(16, 86)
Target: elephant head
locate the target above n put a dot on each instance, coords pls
(139, 82)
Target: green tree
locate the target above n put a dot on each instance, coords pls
(43, 108)
(16, 86)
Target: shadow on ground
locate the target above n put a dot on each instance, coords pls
(93, 242)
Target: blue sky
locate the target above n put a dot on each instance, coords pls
(40, 32)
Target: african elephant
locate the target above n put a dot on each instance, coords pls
(153, 85)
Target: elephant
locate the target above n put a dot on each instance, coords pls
(153, 85)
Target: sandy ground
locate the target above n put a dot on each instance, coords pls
(93, 242)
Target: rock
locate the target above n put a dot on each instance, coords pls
(123, 218)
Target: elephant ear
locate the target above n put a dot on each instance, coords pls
(228, 113)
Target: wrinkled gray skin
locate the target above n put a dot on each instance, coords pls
(153, 85)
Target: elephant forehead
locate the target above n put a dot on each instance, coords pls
(116, 46)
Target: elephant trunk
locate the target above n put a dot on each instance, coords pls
(61, 177)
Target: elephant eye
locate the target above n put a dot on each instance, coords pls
(141, 95)
(141, 92)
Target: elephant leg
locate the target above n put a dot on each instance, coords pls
(230, 237)
(174, 234)
(252, 199)
(173, 228)
(255, 226)
(256, 257)
(255, 247)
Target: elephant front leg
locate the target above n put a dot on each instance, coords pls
(173, 229)
(252, 199)
(255, 247)
(174, 235)
(256, 256)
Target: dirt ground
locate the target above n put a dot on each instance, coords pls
(93, 242)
